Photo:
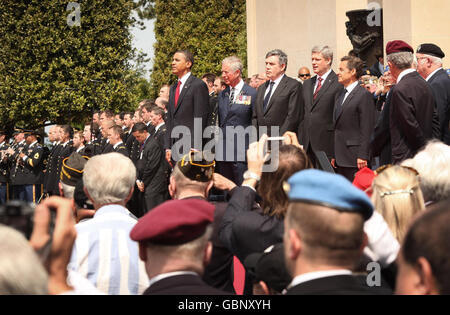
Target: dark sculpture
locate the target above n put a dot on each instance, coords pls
(365, 38)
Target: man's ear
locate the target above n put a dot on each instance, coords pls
(209, 187)
(364, 243)
(172, 187)
(129, 195)
(142, 251)
(61, 191)
(207, 254)
(427, 281)
(261, 288)
(295, 244)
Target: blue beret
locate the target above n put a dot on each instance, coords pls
(329, 190)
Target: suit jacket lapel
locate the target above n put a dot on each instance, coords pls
(323, 90)
(184, 91)
(275, 93)
(347, 100)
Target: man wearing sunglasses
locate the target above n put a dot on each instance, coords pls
(303, 75)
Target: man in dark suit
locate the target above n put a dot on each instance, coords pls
(429, 66)
(279, 100)
(316, 129)
(152, 174)
(354, 116)
(236, 104)
(177, 249)
(157, 120)
(324, 236)
(413, 105)
(188, 103)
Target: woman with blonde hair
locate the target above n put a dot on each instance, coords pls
(397, 197)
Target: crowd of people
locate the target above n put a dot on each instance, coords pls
(146, 205)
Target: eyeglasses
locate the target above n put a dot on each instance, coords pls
(304, 75)
(381, 169)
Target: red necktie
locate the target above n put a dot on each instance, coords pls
(319, 86)
(177, 93)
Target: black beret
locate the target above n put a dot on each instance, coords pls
(430, 49)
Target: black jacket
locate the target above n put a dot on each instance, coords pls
(284, 107)
(338, 285)
(354, 122)
(411, 116)
(245, 229)
(316, 129)
(193, 103)
(440, 85)
(182, 285)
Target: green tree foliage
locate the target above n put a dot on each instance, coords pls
(210, 29)
(52, 70)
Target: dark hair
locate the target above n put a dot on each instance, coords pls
(67, 130)
(188, 56)
(122, 115)
(274, 199)
(355, 63)
(158, 111)
(117, 130)
(148, 106)
(428, 237)
(139, 127)
(108, 113)
(210, 77)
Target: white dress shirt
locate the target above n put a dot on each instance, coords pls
(404, 73)
(324, 78)
(277, 82)
(237, 89)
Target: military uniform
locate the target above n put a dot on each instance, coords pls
(50, 176)
(121, 148)
(32, 172)
(4, 174)
(15, 175)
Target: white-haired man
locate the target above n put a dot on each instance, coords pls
(103, 251)
(429, 66)
(236, 104)
(412, 110)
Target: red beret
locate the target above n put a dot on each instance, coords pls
(397, 46)
(174, 222)
(363, 179)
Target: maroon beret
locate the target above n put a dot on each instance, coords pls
(174, 222)
(397, 46)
